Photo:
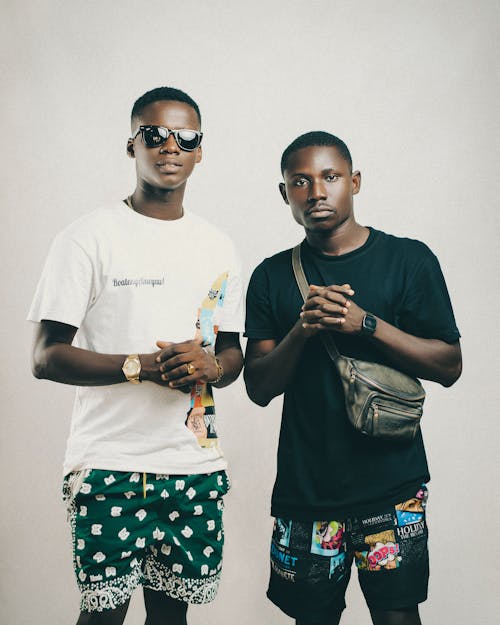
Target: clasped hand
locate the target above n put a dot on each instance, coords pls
(169, 366)
(329, 308)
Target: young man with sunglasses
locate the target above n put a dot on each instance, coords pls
(339, 495)
(139, 306)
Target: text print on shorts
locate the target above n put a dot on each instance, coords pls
(311, 562)
(170, 541)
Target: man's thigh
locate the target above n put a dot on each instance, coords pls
(310, 570)
(111, 523)
(185, 561)
(391, 554)
(165, 533)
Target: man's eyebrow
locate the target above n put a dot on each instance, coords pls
(327, 170)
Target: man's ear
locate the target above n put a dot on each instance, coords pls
(130, 148)
(283, 192)
(198, 154)
(356, 182)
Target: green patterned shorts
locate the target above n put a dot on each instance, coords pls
(164, 532)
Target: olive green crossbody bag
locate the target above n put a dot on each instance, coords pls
(380, 401)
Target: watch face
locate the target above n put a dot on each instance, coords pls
(369, 324)
(131, 367)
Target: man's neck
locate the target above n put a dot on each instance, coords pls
(159, 203)
(346, 238)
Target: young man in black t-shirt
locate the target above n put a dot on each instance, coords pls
(339, 495)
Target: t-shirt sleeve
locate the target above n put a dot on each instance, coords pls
(66, 286)
(426, 309)
(259, 320)
(231, 315)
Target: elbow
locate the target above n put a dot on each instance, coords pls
(452, 375)
(255, 393)
(258, 398)
(260, 401)
(38, 370)
(39, 365)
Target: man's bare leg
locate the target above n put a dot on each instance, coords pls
(106, 617)
(162, 610)
(408, 616)
(334, 620)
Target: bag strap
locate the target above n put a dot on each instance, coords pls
(300, 277)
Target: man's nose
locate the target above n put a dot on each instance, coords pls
(170, 145)
(317, 191)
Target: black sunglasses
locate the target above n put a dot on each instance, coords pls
(153, 136)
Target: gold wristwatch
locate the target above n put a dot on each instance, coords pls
(132, 368)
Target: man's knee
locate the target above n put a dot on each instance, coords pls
(334, 619)
(106, 617)
(406, 616)
(160, 608)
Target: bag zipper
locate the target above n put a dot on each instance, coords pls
(385, 389)
(394, 410)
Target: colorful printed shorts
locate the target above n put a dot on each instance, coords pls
(311, 561)
(131, 528)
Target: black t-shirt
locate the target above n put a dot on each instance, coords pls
(325, 468)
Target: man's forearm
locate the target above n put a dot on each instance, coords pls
(267, 376)
(430, 359)
(67, 364)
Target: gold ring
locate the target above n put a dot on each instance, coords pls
(190, 368)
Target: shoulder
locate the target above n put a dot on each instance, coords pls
(405, 247)
(276, 263)
(208, 231)
(272, 272)
(97, 224)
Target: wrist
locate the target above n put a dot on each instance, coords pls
(216, 365)
(368, 325)
(299, 333)
(132, 368)
(219, 372)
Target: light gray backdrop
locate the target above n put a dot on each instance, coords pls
(412, 87)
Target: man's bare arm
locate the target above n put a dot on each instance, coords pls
(270, 366)
(55, 358)
(429, 359)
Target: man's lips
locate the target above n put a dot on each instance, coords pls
(168, 166)
(320, 212)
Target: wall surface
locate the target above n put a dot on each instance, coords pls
(413, 88)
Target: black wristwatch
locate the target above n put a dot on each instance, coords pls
(368, 325)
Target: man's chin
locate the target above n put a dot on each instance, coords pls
(321, 225)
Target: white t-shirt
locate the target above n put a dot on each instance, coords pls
(125, 281)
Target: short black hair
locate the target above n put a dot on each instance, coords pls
(315, 138)
(163, 93)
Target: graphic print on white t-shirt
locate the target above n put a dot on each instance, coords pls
(201, 416)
